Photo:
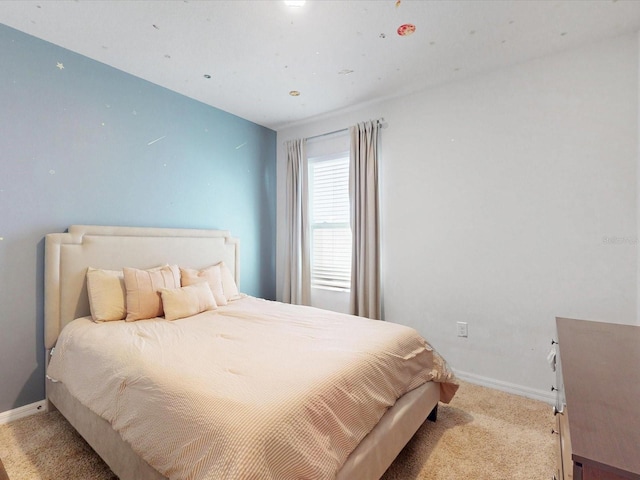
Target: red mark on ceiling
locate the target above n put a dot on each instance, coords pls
(406, 29)
(398, 2)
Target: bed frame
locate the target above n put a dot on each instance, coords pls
(67, 256)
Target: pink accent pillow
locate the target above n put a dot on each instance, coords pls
(228, 283)
(187, 301)
(211, 275)
(143, 296)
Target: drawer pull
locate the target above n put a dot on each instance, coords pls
(555, 432)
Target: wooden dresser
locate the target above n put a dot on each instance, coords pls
(598, 420)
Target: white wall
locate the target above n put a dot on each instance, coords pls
(508, 199)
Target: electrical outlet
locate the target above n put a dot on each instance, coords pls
(462, 329)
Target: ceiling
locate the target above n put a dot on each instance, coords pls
(245, 57)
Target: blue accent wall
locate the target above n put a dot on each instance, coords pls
(89, 144)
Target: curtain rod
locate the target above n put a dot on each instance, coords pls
(380, 122)
(327, 134)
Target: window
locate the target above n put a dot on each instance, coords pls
(329, 222)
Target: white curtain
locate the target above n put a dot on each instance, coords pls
(365, 220)
(297, 274)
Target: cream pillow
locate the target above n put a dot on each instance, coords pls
(228, 283)
(106, 294)
(187, 301)
(142, 286)
(211, 275)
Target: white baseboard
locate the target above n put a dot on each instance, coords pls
(24, 411)
(542, 395)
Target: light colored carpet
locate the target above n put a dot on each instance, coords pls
(482, 434)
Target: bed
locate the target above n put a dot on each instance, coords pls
(125, 408)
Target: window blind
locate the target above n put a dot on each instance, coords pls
(330, 228)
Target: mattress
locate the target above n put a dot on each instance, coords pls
(255, 389)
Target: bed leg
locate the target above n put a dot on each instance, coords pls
(433, 416)
(50, 406)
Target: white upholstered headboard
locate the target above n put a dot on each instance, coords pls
(67, 256)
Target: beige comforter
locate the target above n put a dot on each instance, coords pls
(252, 390)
